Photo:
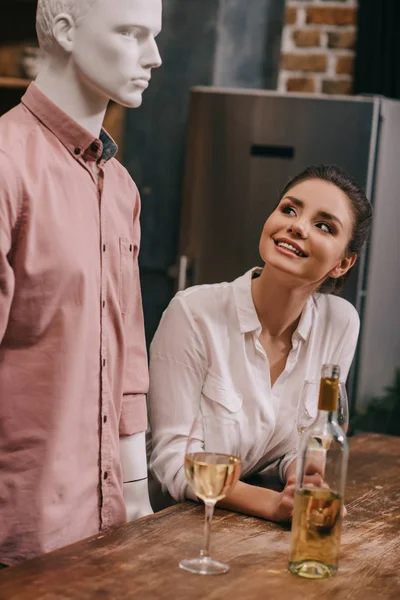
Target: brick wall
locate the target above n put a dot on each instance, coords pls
(318, 46)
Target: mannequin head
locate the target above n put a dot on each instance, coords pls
(108, 45)
(47, 11)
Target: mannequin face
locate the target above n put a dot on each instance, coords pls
(113, 49)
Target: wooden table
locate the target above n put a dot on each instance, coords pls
(140, 560)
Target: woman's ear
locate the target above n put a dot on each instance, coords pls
(345, 264)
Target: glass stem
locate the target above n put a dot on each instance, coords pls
(209, 511)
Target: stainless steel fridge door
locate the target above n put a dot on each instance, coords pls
(379, 346)
(242, 148)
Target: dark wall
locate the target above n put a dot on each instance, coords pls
(377, 66)
(154, 144)
(209, 42)
(249, 43)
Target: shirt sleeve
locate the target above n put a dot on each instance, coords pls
(10, 216)
(350, 339)
(136, 379)
(177, 372)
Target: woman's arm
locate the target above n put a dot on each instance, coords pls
(350, 337)
(178, 366)
(261, 502)
(266, 504)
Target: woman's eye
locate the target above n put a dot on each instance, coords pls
(288, 210)
(325, 227)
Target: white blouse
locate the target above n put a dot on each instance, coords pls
(207, 350)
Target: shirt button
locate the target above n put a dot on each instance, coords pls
(105, 419)
(105, 475)
(104, 362)
(104, 247)
(94, 147)
(104, 303)
(77, 151)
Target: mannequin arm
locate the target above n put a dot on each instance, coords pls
(134, 473)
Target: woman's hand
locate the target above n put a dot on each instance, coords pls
(283, 510)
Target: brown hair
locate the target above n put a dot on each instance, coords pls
(360, 205)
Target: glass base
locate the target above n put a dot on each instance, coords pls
(312, 569)
(203, 566)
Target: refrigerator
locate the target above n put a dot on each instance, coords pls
(243, 146)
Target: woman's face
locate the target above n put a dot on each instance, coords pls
(307, 235)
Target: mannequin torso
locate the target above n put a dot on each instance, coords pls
(74, 365)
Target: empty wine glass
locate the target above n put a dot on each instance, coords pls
(212, 468)
(307, 407)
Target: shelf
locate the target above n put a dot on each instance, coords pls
(14, 82)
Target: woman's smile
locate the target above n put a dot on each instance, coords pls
(289, 248)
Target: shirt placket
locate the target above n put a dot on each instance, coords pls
(291, 362)
(105, 437)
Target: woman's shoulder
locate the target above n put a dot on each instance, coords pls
(196, 310)
(205, 297)
(331, 308)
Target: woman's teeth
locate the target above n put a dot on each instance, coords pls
(291, 248)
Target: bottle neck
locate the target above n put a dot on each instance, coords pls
(327, 416)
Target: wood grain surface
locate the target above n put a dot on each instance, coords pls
(140, 560)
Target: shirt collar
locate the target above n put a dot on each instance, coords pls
(78, 141)
(306, 319)
(246, 311)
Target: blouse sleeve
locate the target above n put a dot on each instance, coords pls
(177, 371)
(348, 349)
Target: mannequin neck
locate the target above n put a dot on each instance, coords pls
(59, 81)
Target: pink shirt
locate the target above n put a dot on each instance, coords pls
(73, 364)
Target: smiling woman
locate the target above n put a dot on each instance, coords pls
(244, 348)
(352, 198)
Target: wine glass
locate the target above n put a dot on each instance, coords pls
(212, 468)
(307, 408)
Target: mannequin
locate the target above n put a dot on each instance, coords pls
(76, 80)
(60, 288)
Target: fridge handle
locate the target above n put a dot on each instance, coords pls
(182, 273)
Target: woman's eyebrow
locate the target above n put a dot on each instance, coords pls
(328, 216)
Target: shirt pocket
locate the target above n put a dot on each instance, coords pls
(221, 403)
(220, 396)
(128, 252)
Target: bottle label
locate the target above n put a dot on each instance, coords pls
(328, 394)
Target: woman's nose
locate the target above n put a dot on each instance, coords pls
(299, 228)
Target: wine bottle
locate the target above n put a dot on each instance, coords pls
(320, 483)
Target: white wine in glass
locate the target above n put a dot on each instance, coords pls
(212, 468)
(212, 475)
